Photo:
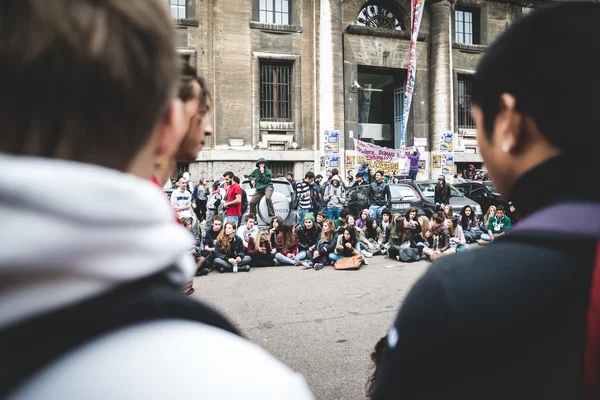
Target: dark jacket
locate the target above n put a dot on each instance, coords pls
(439, 197)
(307, 238)
(507, 321)
(236, 249)
(210, 238)
(379, 194)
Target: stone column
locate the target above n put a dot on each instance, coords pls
(331, 76)
(441, 76)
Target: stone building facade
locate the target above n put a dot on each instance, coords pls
(283, 72)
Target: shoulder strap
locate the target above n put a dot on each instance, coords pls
(30, 345)
(583, 220)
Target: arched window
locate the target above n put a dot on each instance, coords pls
(376, 14)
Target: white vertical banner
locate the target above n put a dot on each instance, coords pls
(416, 15)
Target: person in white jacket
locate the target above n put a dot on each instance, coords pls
(60, 255)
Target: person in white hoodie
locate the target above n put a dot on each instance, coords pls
(90, 302)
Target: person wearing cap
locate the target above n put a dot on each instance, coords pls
(470, 173)
(261, 179)
(442, 191)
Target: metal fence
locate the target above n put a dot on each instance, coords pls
(275, 92)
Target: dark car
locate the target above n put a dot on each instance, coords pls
(403, 198)
(457, 199)
(484, 193)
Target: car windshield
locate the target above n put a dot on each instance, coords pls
(279, 187)
(492, 187)
(428, 189)
(404, 192)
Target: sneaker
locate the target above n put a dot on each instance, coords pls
(306, 264)
(204, 271)
(384, 252)
(365, 261)
(482, 242)
(318, 266)
(366, 254)
(398, 258)
(245, 268)
(276, 262)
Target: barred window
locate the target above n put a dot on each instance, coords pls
(276, 92)
(466, 26)
(465, 90)
(178, 10)
(274, 12)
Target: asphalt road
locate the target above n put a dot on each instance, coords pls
(323, 324)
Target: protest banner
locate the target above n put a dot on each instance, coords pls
(416, 7)
(391, 161)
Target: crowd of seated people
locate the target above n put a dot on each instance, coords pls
(317, 241)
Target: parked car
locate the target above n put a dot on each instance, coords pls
(403, 198)
(284, 202)
(484, 193)
(457, 199)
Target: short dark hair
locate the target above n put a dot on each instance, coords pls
(229, 174)
(499, 207)
(522, 62)
(322, 214)
(335, 171)
(236, 179)
(249, 216)
(380, 172)
(291, 174)
(386, 211)
(358, 175)
(186, 88)
(344, 213)
(217, 218)
(309, 175)
(439, 217)
(93, 81)
(319, 176)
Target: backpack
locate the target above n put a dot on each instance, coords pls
(214, 201)
(244, 202)
(24, 351)
(584, 225)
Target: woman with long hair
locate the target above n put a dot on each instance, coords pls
(425, 228)
(448, 212)
(325, 245)
(347, 245)
(374, 237)
(286, 245)
(411, 222)
(274, 230)
(399, 237)
(483, 225)
(468, 223)
(260, 250)
(457, 237)
(230, 253)
(442, 191)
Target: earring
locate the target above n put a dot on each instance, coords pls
(505, 147)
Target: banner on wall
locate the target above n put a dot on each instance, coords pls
(416, 15)
(391, 161)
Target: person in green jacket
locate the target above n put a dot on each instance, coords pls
(499, 224)
(261, 179)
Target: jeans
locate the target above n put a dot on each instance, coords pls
(333, 213)
(231, 218)
(412, 174)
(375, 212)
(302, 255)
(284, 260)
(302, 213)
(225, 266)
(486, 237)
(334, 257)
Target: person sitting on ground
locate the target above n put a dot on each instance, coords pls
(325, 245)
(457, 238)
(386, 221)
(209, 242)
(513, 214)
(261, 179)
(499, 224)
(230, 253)
(422, 239)
(181, 199)
(287, 245)
(411, 223)
(274, 230)
(260, 251)
(248, 229)
(347, 245)
(362, 219)
(341, 221)
(400, 241)
(308, 234)
(483, 225)
(469, 225)
(321, 216)
(334, 197)
(374, 237)
(448, 212)
(438, 238)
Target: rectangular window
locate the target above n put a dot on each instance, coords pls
(465, 91)
(178, 10)
(274, 12)
(466, 26)
(276, 92)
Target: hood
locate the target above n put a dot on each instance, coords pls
(365, 164)
(366, 210)
(335, 178)
(70, 231)
(261, 160)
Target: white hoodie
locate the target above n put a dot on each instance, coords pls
(59, 249)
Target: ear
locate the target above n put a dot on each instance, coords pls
(509, 125)
(172, 130)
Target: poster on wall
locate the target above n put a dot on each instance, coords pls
(437, 161)
(422, 165)
(446, 142)
(420, 142)
(331, 149)
(448, 169)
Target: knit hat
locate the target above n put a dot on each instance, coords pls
(310, 216)
(441, 177)
(261, 160)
